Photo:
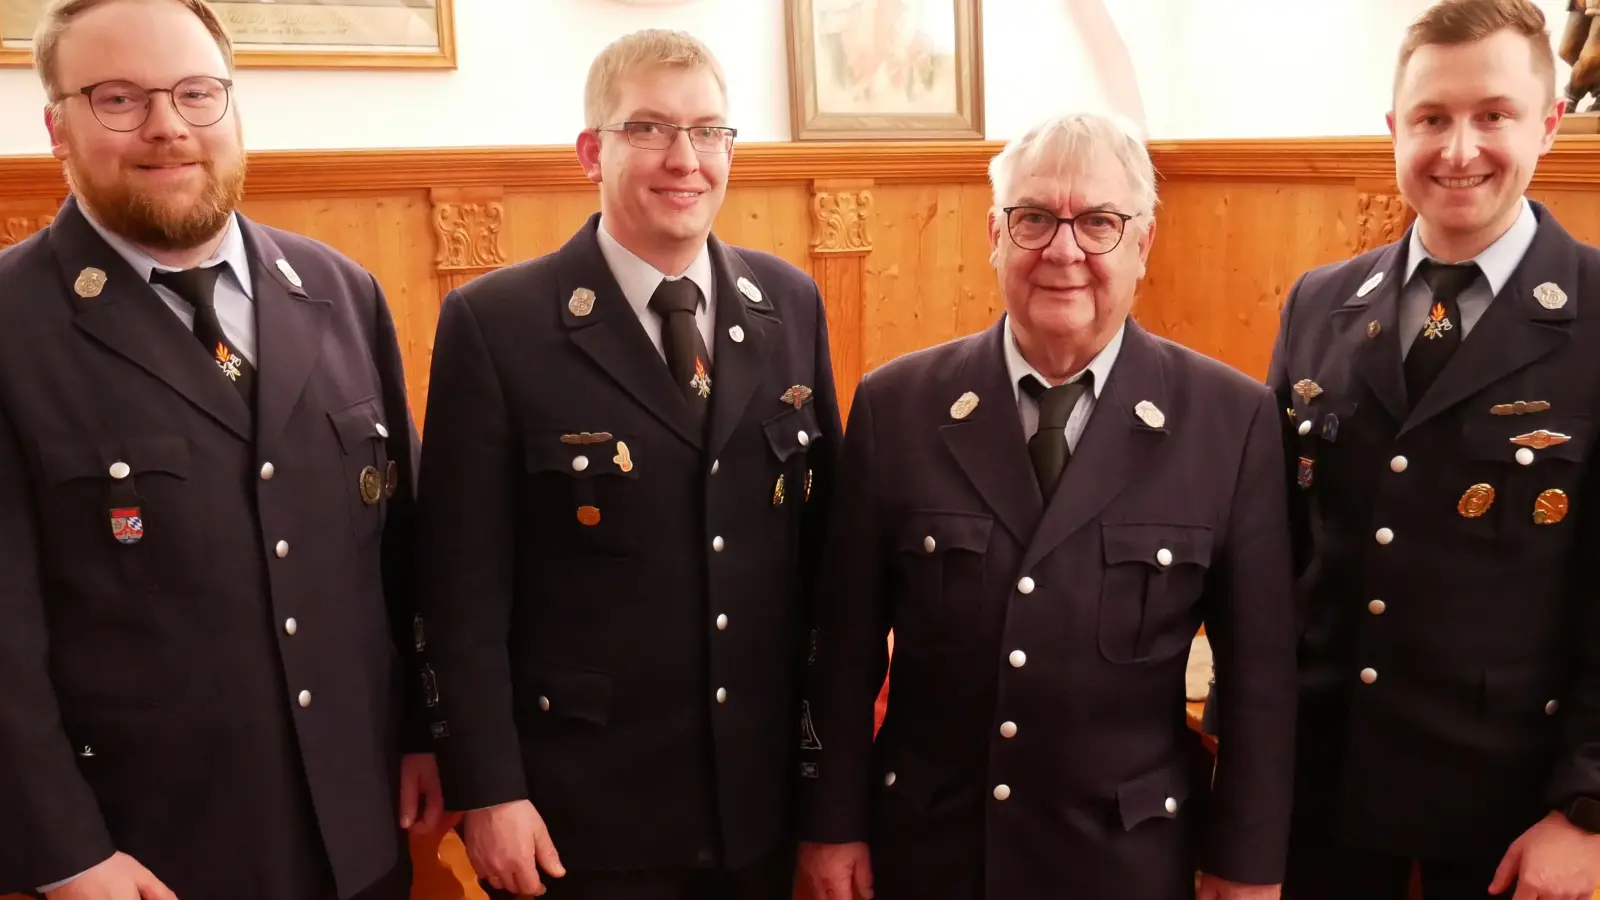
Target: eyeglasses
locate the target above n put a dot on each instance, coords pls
(661, 136)
(201, 101)
(1097, 231)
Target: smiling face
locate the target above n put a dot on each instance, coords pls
(1470, 122)
(660, 204)
(1060, 297)
(167, 185)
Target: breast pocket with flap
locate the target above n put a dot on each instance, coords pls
(1154, 579)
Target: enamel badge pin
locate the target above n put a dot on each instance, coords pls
(1307, 389)
(127, 526)
(1437, 324)
(701, 382)
(796, 396)
(1149, 414)
(1550, 296)
(90, 282)
(581, 303)
(964, 405)
(748, 288)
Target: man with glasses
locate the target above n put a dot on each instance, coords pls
(627, 467)
(1045, 514)
(205, 473)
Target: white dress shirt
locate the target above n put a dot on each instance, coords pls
(1018, 368)
(1497, 262)
(639, 280)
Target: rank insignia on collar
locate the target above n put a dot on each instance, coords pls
(1438, 323)
(796, 396)
(1550, 296)
(701, 382)
(1307, 389)
(127, 525)
(1540, 439)
(964, 405)
(90, 282)
(748, 288)
(289, 273)
(581, 303)
(1369, 284)
(1149, 414)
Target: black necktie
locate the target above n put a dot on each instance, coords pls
(199, 287)
(1048, 446)
(1441, 328)
(676, 300)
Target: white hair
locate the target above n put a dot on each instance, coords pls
(1063, 143)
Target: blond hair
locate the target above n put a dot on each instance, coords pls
(1453, 22)
(1067, 141)
(650, 48)
(60, 14)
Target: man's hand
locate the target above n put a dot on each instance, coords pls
(508, 845)
(836, 871)
(118, 878)
(1553, 860)
(1214, 888)
(419, 787)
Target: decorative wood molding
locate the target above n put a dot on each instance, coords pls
(466, 228)
(16, 229)
(841, 213)
(1380, 219)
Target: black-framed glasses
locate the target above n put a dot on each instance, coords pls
(200, 100)
(661, 136)
(1096, 231)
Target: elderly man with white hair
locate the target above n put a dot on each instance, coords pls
(1044, 514)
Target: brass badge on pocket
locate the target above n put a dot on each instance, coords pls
(371, 485)
(1476, 501)
(1550, 508)
(589, 515)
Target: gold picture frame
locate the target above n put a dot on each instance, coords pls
(298, 34)
(885, 69)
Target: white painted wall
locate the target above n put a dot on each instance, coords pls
(1203, 68)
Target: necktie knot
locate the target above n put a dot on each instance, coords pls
(675, 295)
(1448, 280)
(1056, 403)
(197, 286)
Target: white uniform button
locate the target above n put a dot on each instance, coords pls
(1369, 676)
(1025, 586)
(267, 471)
(382, 431)
(282, 549)
(722, 622)
(1398, 464)
(717, 543)
(290, 626)
(1377, 607)
(722, 695)
(888, 779)
(1164, 556)
(120, 470)
(1171, 805)
(804, 439)
(1008, 729)
(544, 703)
(305, 699)
(1525, 456)
(1001, 791)
(1385, 535)
(715, 465)
(1552, 707)
(1305, 428)
(1018, 659)
(579, 463)
(929, 544)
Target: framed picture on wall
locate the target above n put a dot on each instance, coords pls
(873, 69)
(310, 34)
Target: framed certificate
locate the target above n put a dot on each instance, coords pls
(310, 34)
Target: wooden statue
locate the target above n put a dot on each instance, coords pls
(1580, 48)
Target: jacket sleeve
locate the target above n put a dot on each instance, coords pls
(466, 525)
(851, 649)
(1251, 629)
(51, 828)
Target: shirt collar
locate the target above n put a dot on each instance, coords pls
(1017, 367)
(1498, 260)
(639, 280)
(231, 251)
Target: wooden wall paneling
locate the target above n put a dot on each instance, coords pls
(841, 240)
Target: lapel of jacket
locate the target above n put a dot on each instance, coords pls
(290, 325)
(1115, 447)
(737, 366)
(131, 320)
(1375, 356)
(1516, 330)
(988, 444)
(610, 333)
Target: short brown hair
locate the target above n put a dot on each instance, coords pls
(60, 14)
(652, 47)
(1465, 21)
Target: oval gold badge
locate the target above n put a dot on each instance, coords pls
(90, 283)
(1550, 508)
(589, 515)
(1476, 501)
(371, 485)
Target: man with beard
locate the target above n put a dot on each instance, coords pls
(624, 479)
(206, 463)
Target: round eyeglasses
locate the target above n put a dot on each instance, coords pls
(661, 136)
(1096, 231)
(201, 101)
